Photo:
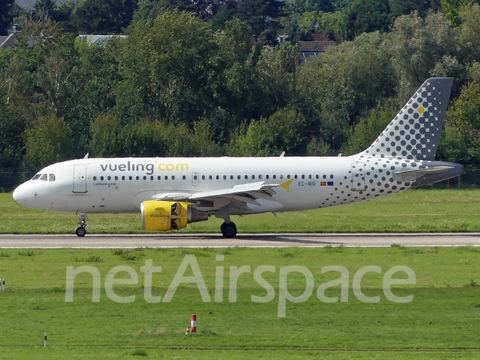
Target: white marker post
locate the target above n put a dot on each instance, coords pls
(45, 342)
(3, 286)
(0, 284)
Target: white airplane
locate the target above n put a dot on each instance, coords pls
(172, 192)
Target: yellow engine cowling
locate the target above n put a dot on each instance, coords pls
(169, 215)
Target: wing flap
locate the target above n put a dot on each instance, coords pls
(240, 194)
(177, 196)
(237, 189)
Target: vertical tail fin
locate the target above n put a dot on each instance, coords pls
(415, 131)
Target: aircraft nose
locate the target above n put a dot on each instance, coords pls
(20, 194)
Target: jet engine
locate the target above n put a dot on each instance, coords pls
(169, 215)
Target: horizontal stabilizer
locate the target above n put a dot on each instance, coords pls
(410, 175)
(434, 172)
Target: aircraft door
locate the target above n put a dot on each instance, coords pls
(195, 179)
(358, 176)
(80, 179)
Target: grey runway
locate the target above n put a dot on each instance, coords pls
(242, 240)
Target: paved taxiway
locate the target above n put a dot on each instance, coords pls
(248, 240)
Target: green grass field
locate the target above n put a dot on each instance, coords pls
(411, 211)
(441, 322)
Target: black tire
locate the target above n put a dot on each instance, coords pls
(229, 230)
(81, 231)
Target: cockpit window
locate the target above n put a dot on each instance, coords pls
(51, 177)
(43, 177)
(36, 176)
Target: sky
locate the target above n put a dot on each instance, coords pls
(27, 4)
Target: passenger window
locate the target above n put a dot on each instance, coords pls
(130, 178)
(231, 177)
(144, 178)
(324, 176)
(101, 178)
(239, 177)
(253, 177)
(246, 177)
(281, 177)
(224, 177)
(210, 177)
(184, 177)
(166, 177)
(288, 176)
(159, 177)
(51, 177)
(173, 177)
(309, 176)
(274, 176)
(116, 178)
(267, 176)
(195, 177)
(203, 177)
(36, 176)
(94, 178)
(138, 177)
(259, 176)
(295, 176)
(151, 177)
(123, 177)
(109, 178)
(331, 176)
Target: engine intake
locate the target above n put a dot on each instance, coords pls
(169, 215)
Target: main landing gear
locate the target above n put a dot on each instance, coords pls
(81, 231)
(229, 230)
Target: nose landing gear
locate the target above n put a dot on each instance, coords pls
(81, 231)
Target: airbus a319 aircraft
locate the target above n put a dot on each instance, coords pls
(173, 192)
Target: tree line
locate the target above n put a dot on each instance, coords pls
(185, 84)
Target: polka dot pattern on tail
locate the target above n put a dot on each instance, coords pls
(415, 131)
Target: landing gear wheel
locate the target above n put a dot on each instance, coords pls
(229, 230)
(81, 231)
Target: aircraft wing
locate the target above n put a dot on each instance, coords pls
(244, 193)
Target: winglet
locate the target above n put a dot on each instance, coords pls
(286, 185)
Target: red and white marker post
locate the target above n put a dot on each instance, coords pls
(193, 325)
